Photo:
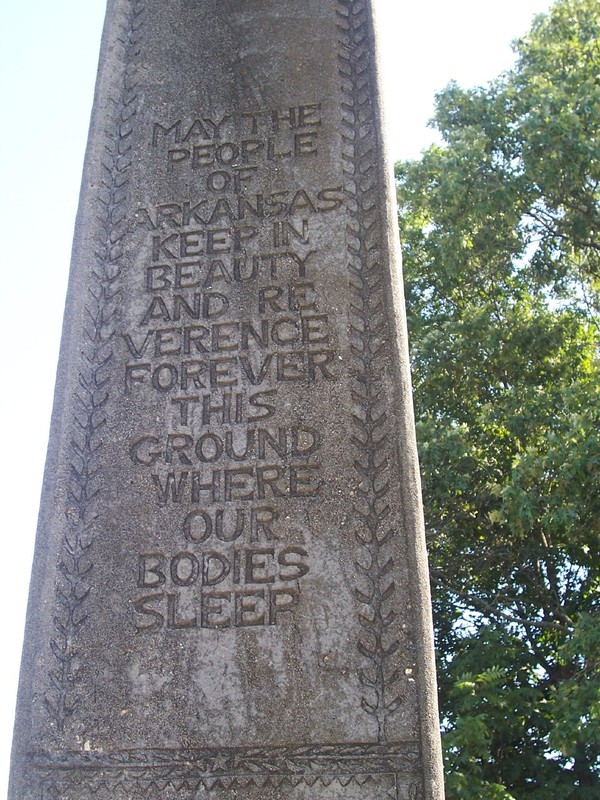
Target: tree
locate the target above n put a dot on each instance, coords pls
(501, 239)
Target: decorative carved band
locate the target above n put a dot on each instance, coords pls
(92, 396)
(181, 773)
(369, 328)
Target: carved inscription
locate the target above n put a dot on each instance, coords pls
(224, 602)
(229, 318)
(266, 135)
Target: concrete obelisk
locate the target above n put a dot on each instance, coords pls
(229, 595)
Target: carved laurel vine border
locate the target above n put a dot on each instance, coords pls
(92, 394)
(369, 341)
(374, 767)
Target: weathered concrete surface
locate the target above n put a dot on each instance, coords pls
(229, 595)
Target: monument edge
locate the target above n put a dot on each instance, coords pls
(108, 71)
(412, 505)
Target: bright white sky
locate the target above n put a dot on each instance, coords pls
(48, 55)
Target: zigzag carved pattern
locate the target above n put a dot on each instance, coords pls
(127, 787)
(369, 340)
(174, 774)
(92, 396)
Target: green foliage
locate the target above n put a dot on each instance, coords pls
(502, 259)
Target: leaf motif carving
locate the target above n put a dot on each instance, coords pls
(369, 341)
(93, 396)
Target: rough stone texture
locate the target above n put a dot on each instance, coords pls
(229, 595)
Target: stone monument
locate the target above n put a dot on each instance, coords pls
(229, 595)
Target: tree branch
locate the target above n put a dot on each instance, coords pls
(482, 605)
